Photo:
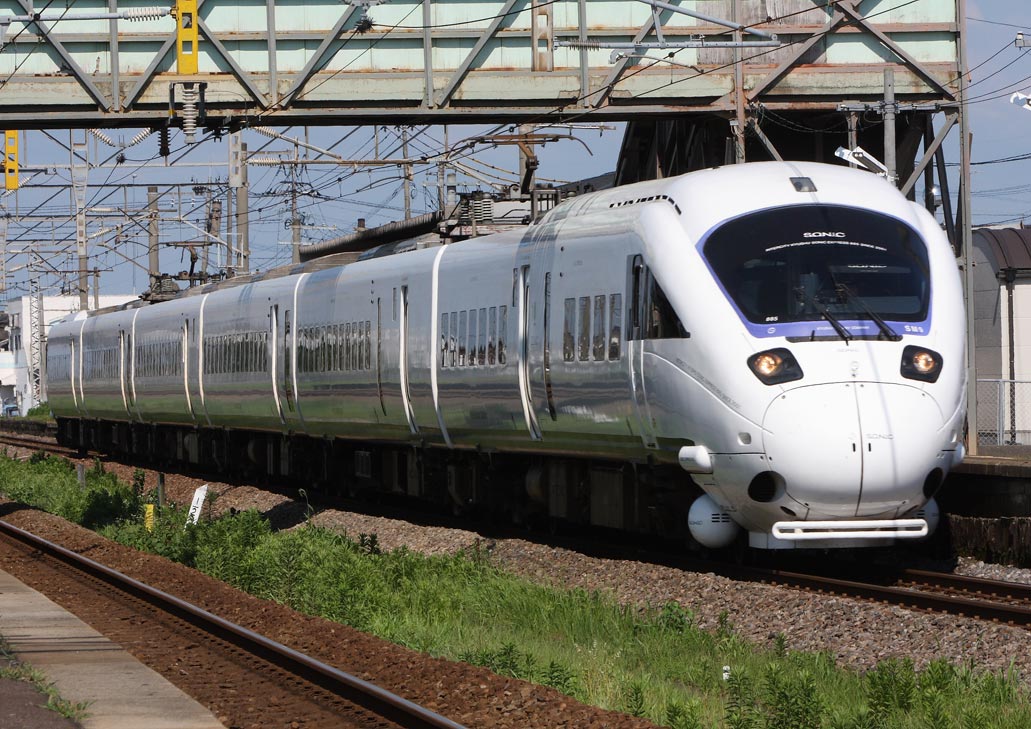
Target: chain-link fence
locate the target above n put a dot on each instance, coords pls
(1003, 412)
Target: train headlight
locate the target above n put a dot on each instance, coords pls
(775, 366)
(919, 363)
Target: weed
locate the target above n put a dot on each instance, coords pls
(369, 543)
(674, 618)
(17, 671)
(633, 703)
(740, 703)
(890, 688)
(139, 481)
(683, 716)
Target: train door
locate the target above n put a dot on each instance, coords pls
(187, 331)
(284, 370)
(123, 370)
(638, 283)
(403, 363)
(130, 368)
(73, 372)
(522, 275)
(79, 364)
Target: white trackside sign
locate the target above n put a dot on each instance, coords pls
(198, 503)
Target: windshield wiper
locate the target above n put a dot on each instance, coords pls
(845, 293)
(818, 305)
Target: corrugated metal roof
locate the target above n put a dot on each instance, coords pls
(1005, 247)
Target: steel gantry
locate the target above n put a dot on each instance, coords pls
(110, 63)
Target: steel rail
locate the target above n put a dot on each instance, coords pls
(966, 583)
(372, 697)
(903, 596)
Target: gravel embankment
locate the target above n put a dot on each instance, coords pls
(857, 633)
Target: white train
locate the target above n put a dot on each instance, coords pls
(776, 348)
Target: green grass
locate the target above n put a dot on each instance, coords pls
(652, 662)
(40, 412)
(19, 671)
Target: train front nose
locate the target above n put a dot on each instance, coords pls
(859, 450)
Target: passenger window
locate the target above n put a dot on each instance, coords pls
(568, 327)
(584, 340)
(452, 345)
(598, 343)
(443, 339)
(492, 335)
(502, 332)
(481, 346)
(368, 344)
(463, 320)
(472, 338)
(615, 315)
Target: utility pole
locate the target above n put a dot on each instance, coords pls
(739, 89)
(407, 173)
(154, 231)
(238, 183)
(78, 152)
(890, 110)
(212, 227)
(295, 222)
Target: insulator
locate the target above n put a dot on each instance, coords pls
(140, 137)
(189, 113)
(163, 148)
(264, 130)
(102, 137)
(587, 45)
(133, 14)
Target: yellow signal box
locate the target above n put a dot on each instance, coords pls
(187, 36)
(11, 159)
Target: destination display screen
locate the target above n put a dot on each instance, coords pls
(793, 264)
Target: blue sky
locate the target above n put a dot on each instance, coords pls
(1002, 191)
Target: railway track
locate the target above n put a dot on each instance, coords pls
(298, 684)
(1004, 602)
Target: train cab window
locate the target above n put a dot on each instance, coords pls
(812, 259)
(568, 328)
(492, 335)
(598, 338)
(584, 338)
(662, 321)
(615, 325)
(463, 331)
(502, 333)
(481, 340)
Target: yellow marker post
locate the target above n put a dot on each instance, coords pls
(187, 37)
(148, 517)
(11, 160)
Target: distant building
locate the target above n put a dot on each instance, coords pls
(15, 383)
(1002, 334)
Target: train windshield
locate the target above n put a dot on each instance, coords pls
(792, 264)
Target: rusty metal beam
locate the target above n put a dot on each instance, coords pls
(892, 46)
(311, 66)
(950, 120)
(242, 76)
(444, 97)
(76, 70)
